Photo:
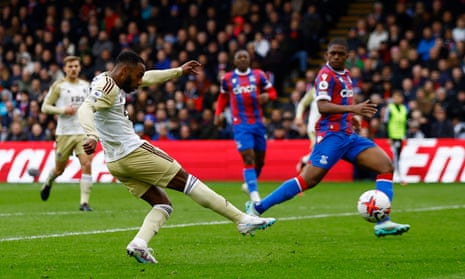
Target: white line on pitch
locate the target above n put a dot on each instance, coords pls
(18, 238)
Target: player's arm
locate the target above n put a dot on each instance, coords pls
(102, 97)
(324, 91)
(365, 109)
(268, 91)
(304, 103)
(159, 76)
(221, 103)
(269, 94)
(48, 106)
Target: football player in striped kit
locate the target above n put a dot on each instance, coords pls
(336, 139)
(246, 90)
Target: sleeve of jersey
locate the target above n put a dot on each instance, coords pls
(272, 94)
(221, 103)
(268, 88)
(304, 102)
(86, 119)
(323, 89)
(48, 105)
(101, 97)
(159, 76)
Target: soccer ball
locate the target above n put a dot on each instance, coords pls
(374, 206)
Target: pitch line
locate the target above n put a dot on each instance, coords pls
(20, 238)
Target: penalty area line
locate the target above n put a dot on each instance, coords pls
(115, 230)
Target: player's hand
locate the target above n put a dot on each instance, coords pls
(357, 122)
(89, 145)
(365, 109)
(263, 98)
(70, 110)
(218, 121)
(190, 67)
(298, 122)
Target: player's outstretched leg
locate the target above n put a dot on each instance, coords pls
(284, 192)
(206, 197)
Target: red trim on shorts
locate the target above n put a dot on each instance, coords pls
(252, 166)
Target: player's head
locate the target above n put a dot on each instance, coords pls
(128, 71)
(72, 67)
(337, 53)
(242, 60)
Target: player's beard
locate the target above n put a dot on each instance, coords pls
(126, 85)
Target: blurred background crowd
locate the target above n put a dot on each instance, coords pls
(415, 47)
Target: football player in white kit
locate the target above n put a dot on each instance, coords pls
(313, 116)
(63, 99)
(144, 169)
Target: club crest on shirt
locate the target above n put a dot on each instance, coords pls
(324, 160)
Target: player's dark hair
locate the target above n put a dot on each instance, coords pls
(129, 57)
(338, 41)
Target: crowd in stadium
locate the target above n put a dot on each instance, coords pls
(416, 47)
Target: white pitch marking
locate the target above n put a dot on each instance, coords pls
(19, 238)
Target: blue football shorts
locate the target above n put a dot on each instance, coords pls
(335, 146)
(250, 136)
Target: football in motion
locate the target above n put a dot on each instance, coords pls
(374, 206)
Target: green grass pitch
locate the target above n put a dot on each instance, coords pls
(317, 235)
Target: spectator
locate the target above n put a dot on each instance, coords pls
(103, 42)
(426, 43)
(376, 37)
(414, 131)
(441, 127)
(37, 133)
(16, 132)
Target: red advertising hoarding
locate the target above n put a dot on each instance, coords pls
(423, 160)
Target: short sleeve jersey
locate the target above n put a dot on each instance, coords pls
(69, 94)
(243, 90)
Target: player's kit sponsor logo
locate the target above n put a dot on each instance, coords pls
(237, 90)
(346, 93)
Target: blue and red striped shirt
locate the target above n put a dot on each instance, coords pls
(242, 90)
(336, 87)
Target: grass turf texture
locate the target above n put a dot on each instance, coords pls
(318, 235)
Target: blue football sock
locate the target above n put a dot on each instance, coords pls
(384, 184)
(284, 192)
(250, 178)
(385, 187)
(258, 171)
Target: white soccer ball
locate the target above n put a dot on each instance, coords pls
(374, 206)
